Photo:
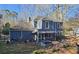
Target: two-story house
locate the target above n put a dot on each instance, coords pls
(43, 29)
(47, 28)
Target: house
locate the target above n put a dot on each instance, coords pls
(47, 28)
(41, 29)
(21, 32)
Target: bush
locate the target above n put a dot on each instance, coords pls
(55, 50)
(39, 52)
(66, 46)
(6, 29)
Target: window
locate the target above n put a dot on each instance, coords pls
(46, 24)
(59, 26)
(47, 35)
(35, 24)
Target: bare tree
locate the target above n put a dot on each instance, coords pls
(1, 23)
(23, 12)
(10, 15)
(0, 27)
(39, 9)
(44, 9)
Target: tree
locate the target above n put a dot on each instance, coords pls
(38, 9)
(25, 11)
(9, 16)
(44, 9)
(6, 29)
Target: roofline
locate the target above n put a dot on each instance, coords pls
(48, 18)
(12, 29)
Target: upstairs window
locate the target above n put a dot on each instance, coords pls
(46, 25)
(59, 26)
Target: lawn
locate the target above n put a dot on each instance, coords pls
(29, 48)
(21, 48)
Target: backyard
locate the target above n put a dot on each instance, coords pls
(17, 48)
(32, 48)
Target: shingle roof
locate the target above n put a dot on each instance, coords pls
(38, 17)
(47, 18)
(25, 26)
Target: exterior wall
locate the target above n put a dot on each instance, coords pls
(53, 26)
(54, 29)
(15, 35)
(43, 25)
(39, 24)
(20, 36)
(27, 35)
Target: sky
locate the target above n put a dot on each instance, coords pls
(13, 7)
(33, 10)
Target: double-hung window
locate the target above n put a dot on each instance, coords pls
(46, 24)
